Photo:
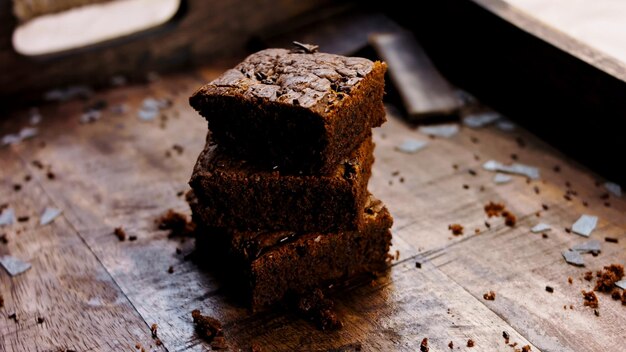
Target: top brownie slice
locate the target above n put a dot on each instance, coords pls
(298, 111)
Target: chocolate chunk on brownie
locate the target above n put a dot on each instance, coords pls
(296, 110)
(274, 265)
(242, 196)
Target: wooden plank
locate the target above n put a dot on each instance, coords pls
(514, 262)
(114, 173)
(424, 92)
(80, 303)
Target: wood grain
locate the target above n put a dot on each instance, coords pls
(114, 172)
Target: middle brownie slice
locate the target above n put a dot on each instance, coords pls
(239, 195)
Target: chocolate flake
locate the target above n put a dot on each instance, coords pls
(541, 227)
(7, 217)
(49, 214)
(585, 225)
(24, 133)
(573, 257)
(14, 266)
(592, 246)
(611, 239)
(515, 168)
(613, 188)
(490, 296)
(445, 130)
(305, 48)
(549, 289)
(621, 284)
(501, 178)
(481, 119)
(411, 146)
(424, 345)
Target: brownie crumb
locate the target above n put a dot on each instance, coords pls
(27, 178)
(509, 218)
(550, 289)
(544, 235)
(41, 320)
(536, 189)
(494, 209)
(545, 206)
(207, 327)
(489, 296)
(4, 239)
(170, 270)
(472, 172)
(526, 348)
(624, 297)
(38, 164)
(487, 225)
(608, 277)
(154, 329)
(456, 229)
(120, 233)
(568, 230)
(178, 148)
(470, 343)
(465, 186)
(451, 345)
(616, 294)
(590, 299)
(23, 218)
(588, 275)
(180, 193)
(477, 231)
(418, 265)
(315, 307)
(51, 175)
(158, 342)
(132, 238)
(177, 223)
(424, 345)
(611, 239)
(17, 187)
(506, 335)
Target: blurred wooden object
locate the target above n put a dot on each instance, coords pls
(424, 92)
(200, 30)
(27, 9)
(568, 93)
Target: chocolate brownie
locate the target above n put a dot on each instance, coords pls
(274, 265)
(298, 111)
(238, 195)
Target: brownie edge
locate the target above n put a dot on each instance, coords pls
(295, 264)
(238, 195)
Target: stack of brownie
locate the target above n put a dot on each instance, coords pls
(281, 185)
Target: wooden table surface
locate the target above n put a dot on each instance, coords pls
(99, 294)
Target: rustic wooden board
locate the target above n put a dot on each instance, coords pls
(114, 172)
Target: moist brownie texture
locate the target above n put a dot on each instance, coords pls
(298, 111)
(274, 265)
(238, 195)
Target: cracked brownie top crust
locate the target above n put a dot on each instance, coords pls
(299, 111)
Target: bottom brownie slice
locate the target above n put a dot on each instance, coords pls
(273, 265)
